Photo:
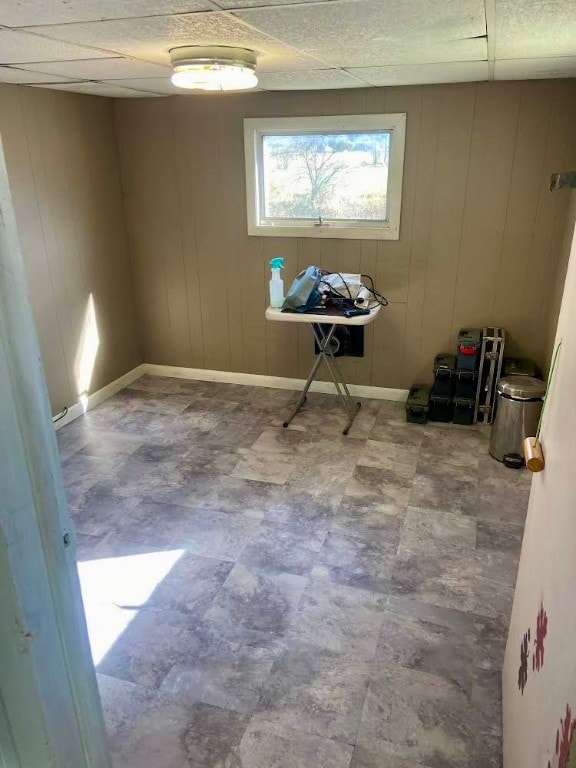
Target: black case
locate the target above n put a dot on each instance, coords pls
(469, 346)
(464, 410)
(466, 384)
(440, 408)
(417, 404)
(444, 368)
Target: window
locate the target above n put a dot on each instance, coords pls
(325, 176)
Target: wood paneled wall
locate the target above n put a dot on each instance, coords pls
(62, 160)
(479, 236)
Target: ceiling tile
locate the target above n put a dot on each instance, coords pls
(355, 33)
(27, 13)
(535, 29)
(535, 69)
(15, 75)
(99, 89)
(305, 81)
(23, 47)
(151, 38)
(150, 85)
(420, 74)
(235, 4)
(163, 85)
(101, 69)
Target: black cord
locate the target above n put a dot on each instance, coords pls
(376, 295)
(60, 416)
(338, 299)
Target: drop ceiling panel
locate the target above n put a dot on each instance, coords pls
(14, 75)
(25, 13)
(163, 85)
(156, 85)
(101, 69)
(100, 89)
(535, 28)
(151, 38)
(23, 47)
(354, 33)
(304, 81)
(535, 69)
(234, 4)
(420, 74)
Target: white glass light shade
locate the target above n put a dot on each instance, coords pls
(213, 69)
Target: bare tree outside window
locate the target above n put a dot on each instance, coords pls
(328, 175)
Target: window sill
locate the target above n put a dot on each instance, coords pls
(332, 231)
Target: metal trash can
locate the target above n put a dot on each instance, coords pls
(519, 404)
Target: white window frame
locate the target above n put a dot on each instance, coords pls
(255, 128)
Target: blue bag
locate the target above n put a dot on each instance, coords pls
(303, 294)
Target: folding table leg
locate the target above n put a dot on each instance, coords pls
(349, 407)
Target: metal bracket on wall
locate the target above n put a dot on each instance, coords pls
(564, 180)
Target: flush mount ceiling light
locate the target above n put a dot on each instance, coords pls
(217, 68)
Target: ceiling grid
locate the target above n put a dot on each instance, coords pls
(122, 49)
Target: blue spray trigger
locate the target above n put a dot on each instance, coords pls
(277, 262)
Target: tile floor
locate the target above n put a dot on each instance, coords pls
(262, 597)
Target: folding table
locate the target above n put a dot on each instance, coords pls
(323, 327)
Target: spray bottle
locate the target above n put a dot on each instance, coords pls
(276, 283)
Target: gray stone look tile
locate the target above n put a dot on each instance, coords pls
(369, 754)
(435, 561)
(257, 599)
(153, 526)
(360, 515)
(100, 509)
(446, 494)
(336, 602)
(316, 691)
(399, 460)
(228, 675)
(122, 702)
(381, 484)
(147, 649)
(364, 561)
(416, 716)
(428, 638)
(266, 744)
(172, 736)
(338, 618)
(282, 548)
(499, 502)
(498, 551)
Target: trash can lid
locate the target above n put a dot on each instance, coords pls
(521, 387)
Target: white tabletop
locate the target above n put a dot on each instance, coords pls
(305, 317)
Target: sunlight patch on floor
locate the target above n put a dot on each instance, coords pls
(114, 589)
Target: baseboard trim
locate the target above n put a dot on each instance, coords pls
(85, 404)
(275, 382)
(226, 377)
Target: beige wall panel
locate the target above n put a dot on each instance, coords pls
(281, 338)
(196, 127)
(516, 286)
(551, 215)
(40, 280)
(456, 104)
(393, 265)
(425, 124)
(389, 345)
(63, 165)
(472, 175)
(229, 116)
(489, 177)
